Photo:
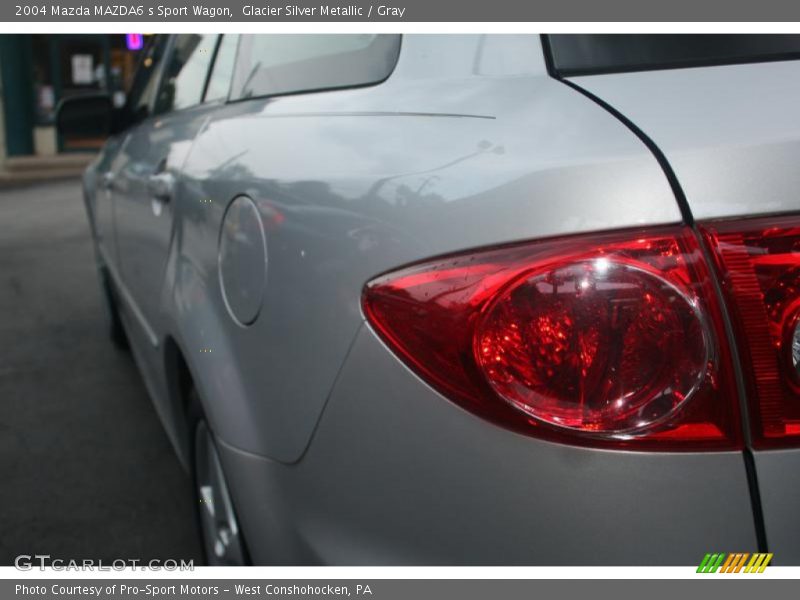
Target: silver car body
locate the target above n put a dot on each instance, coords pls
(336, 452)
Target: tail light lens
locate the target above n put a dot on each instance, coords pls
(759, 264)
(603, 340)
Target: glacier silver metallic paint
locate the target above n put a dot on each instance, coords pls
(334, 451)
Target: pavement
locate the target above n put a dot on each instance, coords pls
(26, 170)
(86, 470)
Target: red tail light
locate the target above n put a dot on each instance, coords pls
(605, 340)
(759, 263)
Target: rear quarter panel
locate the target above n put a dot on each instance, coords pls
(469, 143)
(335, 451)
(732, 135)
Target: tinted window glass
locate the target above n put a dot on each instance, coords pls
(222, 72)
(591, 54)
(143, 89)
(186, 72)
(280, 64)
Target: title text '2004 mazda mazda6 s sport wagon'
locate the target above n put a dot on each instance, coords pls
(464, 299)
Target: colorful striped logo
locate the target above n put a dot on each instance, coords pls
(734, 563)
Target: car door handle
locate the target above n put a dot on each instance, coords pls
(108, 180)
(161, 186)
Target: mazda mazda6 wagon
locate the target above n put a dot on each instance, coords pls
(463, 299)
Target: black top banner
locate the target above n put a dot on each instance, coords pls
(400, 11)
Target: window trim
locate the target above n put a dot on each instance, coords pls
(563, 73)
(161, 71)
(210, 68)
(157, 75)
(168, 57)
(226, 98)
(320, 90)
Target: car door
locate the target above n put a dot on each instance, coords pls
(147, 174)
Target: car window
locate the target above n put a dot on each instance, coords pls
(185, 75)
(268, 65)
(219, 82)
(143, 89)
(607, 53)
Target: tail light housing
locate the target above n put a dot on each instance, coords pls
(759, 265)
(607, 340)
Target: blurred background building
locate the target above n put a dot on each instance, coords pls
(38, 70)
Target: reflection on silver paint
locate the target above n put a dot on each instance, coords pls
(398, 476)
(732, 136)
(127, 298)
(779, 486)
(384, 182)
(731, 133)
(469, 143)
